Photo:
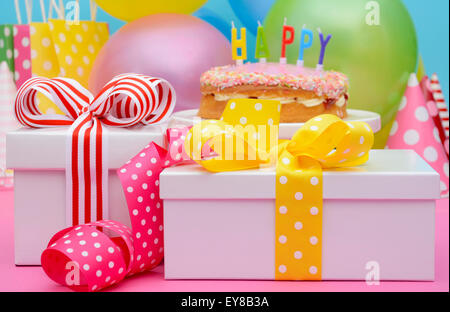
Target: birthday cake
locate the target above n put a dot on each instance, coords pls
(303, 92)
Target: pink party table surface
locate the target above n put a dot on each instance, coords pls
(33, 278)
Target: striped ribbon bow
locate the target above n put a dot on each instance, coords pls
(127, 100)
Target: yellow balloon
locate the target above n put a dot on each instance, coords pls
(130, 10)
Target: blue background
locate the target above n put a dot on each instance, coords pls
(431, 19)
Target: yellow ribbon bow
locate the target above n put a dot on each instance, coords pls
(246, 137)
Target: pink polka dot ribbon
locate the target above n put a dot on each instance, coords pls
(97, 255)
(86, 259)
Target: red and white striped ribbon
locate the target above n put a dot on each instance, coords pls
(440, 101)
(125, 101)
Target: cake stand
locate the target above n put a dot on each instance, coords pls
(287, 130)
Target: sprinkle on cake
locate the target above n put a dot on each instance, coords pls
(329, 83)
(305, 92)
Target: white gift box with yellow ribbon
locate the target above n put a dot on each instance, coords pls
(378, 221)
(318, 206)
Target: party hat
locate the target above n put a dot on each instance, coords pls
(7, 120)
(441, 105)
(414, 129)
(433, 109)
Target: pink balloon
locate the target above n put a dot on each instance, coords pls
(176, 47)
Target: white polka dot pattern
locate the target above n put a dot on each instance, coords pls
(22, 54)
(298, 221)
(78, 46)
(95, 254)
(57, 49)
(7, 46)
(418, 127)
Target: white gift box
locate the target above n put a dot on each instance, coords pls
(38, 157)
(378, 221)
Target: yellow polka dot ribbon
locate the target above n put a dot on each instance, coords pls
(246, 137)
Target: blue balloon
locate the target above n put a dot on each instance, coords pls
(215, 20)
(251, 11)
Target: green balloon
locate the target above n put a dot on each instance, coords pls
(374, 43)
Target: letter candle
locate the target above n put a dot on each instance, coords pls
(262, 50)
(306, 33)
(323, 44)
(285, 41)
(240, 43)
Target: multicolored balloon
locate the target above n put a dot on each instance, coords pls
(374, 43)
(130, 10)
(175, 47)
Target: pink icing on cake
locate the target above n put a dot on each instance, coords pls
(331, 84)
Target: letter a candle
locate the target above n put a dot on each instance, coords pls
(262, 50)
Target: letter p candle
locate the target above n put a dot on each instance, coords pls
(306, 34)
(286, 40)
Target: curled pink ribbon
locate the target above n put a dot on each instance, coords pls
(101, 253)
(93, 256)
